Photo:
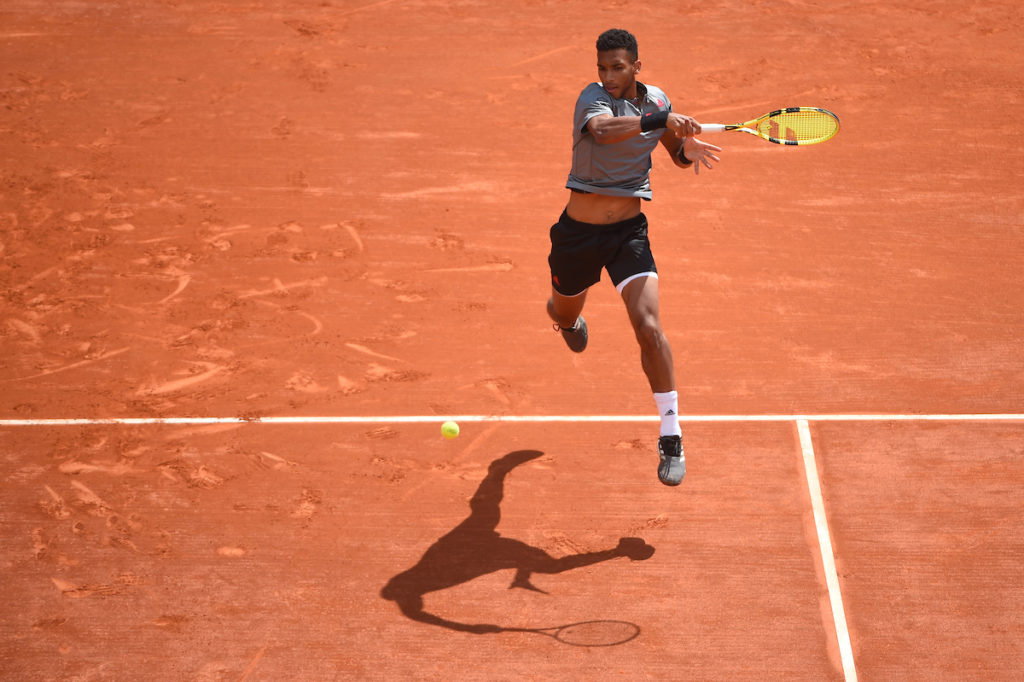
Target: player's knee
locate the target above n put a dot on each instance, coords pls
(649, 333)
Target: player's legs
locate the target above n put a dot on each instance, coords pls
(575, 264)
(565, 310)
(641, 298)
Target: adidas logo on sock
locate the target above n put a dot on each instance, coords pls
(670, 413)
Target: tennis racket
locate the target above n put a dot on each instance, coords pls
(790, 126)
(591, 633)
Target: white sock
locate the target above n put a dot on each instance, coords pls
(668, 410)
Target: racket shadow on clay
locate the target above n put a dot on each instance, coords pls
(474, 548)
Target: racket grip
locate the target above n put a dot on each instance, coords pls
(712, 128)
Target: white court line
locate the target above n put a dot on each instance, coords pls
(474, 418)
(827, 557)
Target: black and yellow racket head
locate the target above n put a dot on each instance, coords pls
(797, 125)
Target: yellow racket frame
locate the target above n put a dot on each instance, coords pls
(789, 126)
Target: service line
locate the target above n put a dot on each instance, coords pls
(477, 418)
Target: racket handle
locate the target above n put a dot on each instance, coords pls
(712, 128)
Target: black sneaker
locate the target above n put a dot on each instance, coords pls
(672, 466)
(575, 336)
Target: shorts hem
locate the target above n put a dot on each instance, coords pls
(622, 285)
(580, 293)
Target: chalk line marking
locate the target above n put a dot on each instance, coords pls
(529, 419)
(827, 557)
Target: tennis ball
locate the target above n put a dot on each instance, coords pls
(450, 430)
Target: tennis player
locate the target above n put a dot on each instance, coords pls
(618, 123)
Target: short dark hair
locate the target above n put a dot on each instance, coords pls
(618, 39)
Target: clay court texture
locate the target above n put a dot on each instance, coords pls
(254, 253)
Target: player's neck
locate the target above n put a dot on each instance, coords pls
(636, 93)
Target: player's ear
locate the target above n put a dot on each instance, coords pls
(636, 66)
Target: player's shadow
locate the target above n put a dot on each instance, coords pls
(474, 548)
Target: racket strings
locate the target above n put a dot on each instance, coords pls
(800, 126)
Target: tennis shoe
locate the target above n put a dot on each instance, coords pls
(672, 466)
(575, 336)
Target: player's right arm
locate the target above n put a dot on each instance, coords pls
(608, 129)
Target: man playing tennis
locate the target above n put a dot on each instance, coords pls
(618, 124)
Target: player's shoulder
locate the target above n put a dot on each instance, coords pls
(594, 92)
(657, 95)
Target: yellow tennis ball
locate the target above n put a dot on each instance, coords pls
(450, 430)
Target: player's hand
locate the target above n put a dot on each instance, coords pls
(699, 152)
(682, 126)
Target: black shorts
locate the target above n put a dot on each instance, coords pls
(580, 250)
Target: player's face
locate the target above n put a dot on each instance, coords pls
(617, 72)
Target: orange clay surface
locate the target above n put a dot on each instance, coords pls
(307, 209)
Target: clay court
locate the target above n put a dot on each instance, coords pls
(253, 254)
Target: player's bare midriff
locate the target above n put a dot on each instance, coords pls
(600, 209)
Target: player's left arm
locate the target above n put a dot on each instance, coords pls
(695, 152)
